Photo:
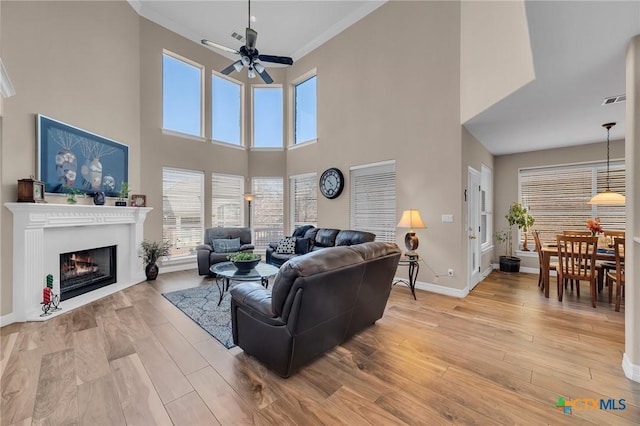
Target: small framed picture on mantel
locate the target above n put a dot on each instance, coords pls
(138, 200)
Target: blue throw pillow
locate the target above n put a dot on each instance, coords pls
(226, 245)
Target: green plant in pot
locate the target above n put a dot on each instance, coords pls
(123, 194)
(151, 251)
(519, 216)
(244, 262)
(72, 193)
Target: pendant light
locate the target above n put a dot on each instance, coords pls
(608, 197)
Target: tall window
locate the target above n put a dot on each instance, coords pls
(304, 200)
(305, 110)
(226, 110)
(557, 197)
(486, 206)
(267, 211)
(267, 116)
(373, 200)
(182, 210)
(227, 207)
(181, 95)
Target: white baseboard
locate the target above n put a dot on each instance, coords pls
(525, 269)
(436, 288)
(631, 370)
(178, 267)
(486, 272)
(7, 319)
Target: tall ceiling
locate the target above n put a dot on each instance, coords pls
(578, 51)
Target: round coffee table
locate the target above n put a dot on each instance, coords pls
(226, 272)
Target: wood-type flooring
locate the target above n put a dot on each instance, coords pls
(502, 355)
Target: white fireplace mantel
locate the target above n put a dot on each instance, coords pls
(42, 231)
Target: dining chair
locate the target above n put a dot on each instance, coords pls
(606, 265)
(577, 233)
(552, 265)
(618, 275)
(577, 262)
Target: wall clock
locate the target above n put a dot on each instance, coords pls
(331, 183)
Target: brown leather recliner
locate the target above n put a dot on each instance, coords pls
(319, 300)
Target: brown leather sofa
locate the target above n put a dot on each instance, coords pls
(206, 253)
(309, 238)
(319, 300)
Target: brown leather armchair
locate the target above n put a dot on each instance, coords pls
(319, 300)
(206, 253)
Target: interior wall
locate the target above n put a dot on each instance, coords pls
(474, 154)
(506, 189)
(77, 62)
(379, 100)
(495, 53)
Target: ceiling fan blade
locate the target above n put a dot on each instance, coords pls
(265, 75)
(276, 59)
(252, 37)
(219, 46)
(236, 66)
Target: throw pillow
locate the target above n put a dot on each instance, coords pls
(287, 245)
(303, 245)
(226, 245)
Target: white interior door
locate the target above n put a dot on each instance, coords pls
(473, 227)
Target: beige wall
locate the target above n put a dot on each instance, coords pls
(495, 53)
(77, 62)
(506, 179)
(379, 99)
(474, 154)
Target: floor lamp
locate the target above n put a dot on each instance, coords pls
(249, 198)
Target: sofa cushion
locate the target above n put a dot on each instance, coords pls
(287, 245)
(349, 238)
(326, 237)
(301, 230)
(303, 245)
(226, 245)
(311, 234)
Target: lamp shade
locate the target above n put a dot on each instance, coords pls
(411, 219)
(249, 197)
(608, 198)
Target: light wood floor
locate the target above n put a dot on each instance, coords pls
(502, 355)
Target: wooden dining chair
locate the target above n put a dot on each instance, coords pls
(552, 265)
(577, 261)
(607, 266)
(618, 275)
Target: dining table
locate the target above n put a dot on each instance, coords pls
(551, 250)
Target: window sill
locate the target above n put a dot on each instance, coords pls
(228, 145)
(178, 260)
(520, 253)
(301, 144)
(267, 149)
(487, 249)
(183, 135)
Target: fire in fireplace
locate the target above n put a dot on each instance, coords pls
(86, 270)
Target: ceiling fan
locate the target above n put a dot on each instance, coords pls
(249, 55)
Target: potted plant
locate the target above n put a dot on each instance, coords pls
(519, 216)
(124, 193)
(244, 262)
(71, 195)
(508, 263)
(151, 252)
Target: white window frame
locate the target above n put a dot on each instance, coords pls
(311, 177)
(486, 206)
(240, 201)
(202, 101)
(278, 234)
(292, 113)
(242, 143)
(253, 135)
(385, 232)
(200, 174)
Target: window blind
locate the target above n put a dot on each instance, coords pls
(304, 200)
(557, 198)
(226, 200)
(182, 210)
(373, 201)
(267, 215)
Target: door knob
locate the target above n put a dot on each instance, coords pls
(472, 237)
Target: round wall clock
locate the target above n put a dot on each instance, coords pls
(331, 183)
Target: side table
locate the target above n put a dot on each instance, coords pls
(413, 262)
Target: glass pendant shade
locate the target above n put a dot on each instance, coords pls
(608, 197)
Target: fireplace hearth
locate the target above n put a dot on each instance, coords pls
(86, 270)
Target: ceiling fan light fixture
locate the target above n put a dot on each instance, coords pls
(238, 66)
(251, 73)
(608, 197)
(258, 67)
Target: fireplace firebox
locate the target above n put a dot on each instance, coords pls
(86, 270)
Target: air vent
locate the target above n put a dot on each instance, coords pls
(237, 36)
(614, 99)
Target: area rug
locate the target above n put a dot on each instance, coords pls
(201, 305)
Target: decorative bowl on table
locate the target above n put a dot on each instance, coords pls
(244, 262)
